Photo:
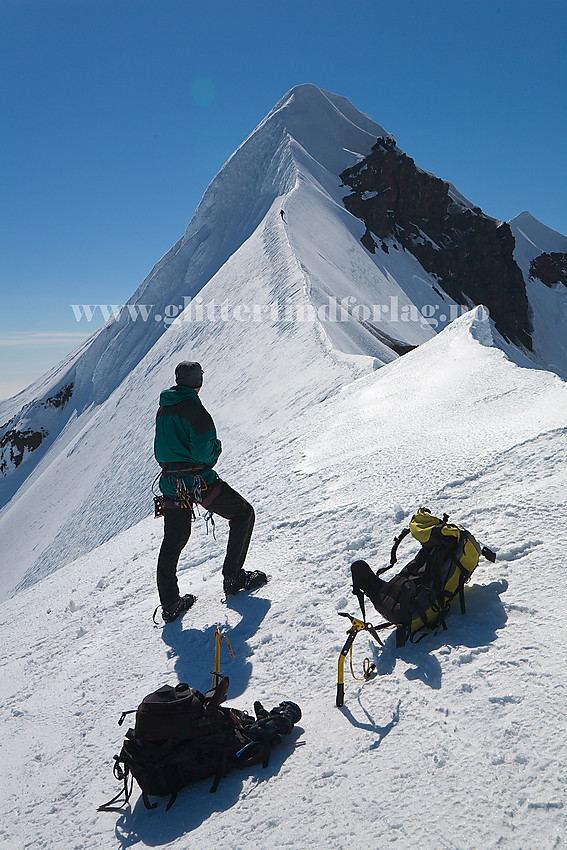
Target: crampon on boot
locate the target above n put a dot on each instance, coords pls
(243, 581)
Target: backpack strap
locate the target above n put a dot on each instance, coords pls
(126, 791)
(397, 540)
(463, 578)
(360, 596)
(172, 800)
(221, 767)
(402, 634)
(124, 715)
(217, 695)
(147, 803)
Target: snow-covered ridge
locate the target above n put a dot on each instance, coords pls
(455, 425)
(234, 204)
(238, 198)
(235, 251)
(282, 346)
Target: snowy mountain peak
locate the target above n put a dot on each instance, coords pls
(310, 105)
(320, 121)
(542, 238)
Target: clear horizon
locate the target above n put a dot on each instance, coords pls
(120, 112)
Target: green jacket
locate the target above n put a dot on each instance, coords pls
(185, 435)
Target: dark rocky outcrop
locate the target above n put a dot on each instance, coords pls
(13, 445)
(470, 254)
(550, 268)
(60, 399)
(15, 442)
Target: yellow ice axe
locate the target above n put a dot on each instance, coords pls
(356, 627)
(217, 676)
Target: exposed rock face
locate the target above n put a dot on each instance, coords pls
(550, 268)
(470, 254)
(17, 440)
(60, 399)
(13, 445)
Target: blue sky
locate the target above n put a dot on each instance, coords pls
(118, 113)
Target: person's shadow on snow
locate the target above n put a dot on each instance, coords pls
(194, 649)
(475, 631)
(194, 804)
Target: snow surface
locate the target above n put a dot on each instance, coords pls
(458, 742)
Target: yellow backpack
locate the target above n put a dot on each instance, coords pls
(419, 596)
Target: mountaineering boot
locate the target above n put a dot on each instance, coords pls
(286, 715)
(243, 581)
(270, 726)
(183, 605)
(260, 711)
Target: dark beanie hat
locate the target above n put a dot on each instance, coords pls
(189, 374)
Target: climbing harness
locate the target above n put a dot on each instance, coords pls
(185, 497)
(197, 493)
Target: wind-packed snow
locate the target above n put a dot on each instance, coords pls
(458, 742)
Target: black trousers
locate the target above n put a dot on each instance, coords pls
(177, 529)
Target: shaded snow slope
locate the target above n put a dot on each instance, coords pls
(548, 305)
(458, 741)
(534, 238)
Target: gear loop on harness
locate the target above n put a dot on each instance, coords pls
(185, 497)
(209, 518)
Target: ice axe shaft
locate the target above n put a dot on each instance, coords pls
(219, 637)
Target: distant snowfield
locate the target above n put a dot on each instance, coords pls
(458, 743)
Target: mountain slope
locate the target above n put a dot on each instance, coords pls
(89, 477)
(458, 739)
(470, 254)
(281, 311)
(547, 296)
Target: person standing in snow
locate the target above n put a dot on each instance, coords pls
(187, 448)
